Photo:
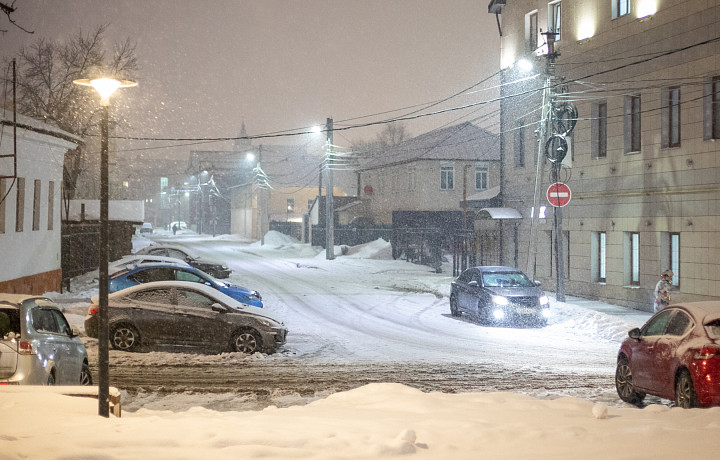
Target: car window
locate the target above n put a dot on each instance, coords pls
(153, 274)
(63, 327)
(476, 276)
(9, 321)
(177, 254)
(152, 295)
(657, 324)
(189, 298)
(713, 329)
(157, 252)
(182, 275)
(679, 324)
(466, 275)
(44, 321)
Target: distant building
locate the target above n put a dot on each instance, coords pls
(642, 164)
(30, 204)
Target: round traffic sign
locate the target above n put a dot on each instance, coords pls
(558, 194)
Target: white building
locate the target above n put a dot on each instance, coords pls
(30, 204)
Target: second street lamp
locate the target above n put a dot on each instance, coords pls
(105, 88)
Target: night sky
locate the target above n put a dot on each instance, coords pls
(207, 66)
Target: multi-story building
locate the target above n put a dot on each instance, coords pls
(642, 160)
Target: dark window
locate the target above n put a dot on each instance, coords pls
(153, 274)
(555, 19)
(671, 117)
(716, 108)
(51, 205)
(532, 38)
(679, 324)
(657, 325)
(635, 132)
(447, 177)
(520, 145)
(36, 205)
(599, 130)
(44, 321)
(20, 205)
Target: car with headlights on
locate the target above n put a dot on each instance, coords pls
(187, 315)
(675, 355)
(499, 295)
(37, 344)
(146, 272)
(213, 267)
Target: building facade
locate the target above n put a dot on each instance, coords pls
(30, 204)
(641, 162)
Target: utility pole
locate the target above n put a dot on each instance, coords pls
(329, 208)
(261, 198)
(556, 165)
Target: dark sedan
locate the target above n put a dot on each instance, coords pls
(675, 355)
(186, 315)
(212, 267)
(499, 295)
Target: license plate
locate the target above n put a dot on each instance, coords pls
(526, 311)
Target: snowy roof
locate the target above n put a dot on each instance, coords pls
(31, 124)
(458, 142)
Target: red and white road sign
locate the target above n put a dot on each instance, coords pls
(558, 194)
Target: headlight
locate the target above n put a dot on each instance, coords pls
(498, 314)
(544, 300)
(500, 300)
(268, 323)
(546, 312)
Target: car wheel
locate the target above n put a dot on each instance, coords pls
(51, 379)
(624, 383)
(124, 337)
(246, 342)
(85, 376)
(453, 306)
(685, 396)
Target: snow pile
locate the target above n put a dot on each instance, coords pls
(377, 420)
(378, 249)
(277, 240)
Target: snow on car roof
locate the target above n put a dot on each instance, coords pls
(17, 299)
(704, 311)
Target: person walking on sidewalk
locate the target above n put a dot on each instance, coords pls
(662, 290)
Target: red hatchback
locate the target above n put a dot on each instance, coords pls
(675, 355)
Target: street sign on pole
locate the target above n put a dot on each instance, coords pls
(558, 194)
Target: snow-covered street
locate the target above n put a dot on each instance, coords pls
(364, 318)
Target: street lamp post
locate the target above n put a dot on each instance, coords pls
(105, 87)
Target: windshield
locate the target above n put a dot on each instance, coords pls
(506, 279)
(713, 329)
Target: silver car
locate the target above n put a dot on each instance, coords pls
(499, 295)
(37, 344)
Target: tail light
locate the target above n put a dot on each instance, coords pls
(707, 352)
(93, 309)
(25, 348)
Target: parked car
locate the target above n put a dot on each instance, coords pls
(186, 314)
(215, 268)
(146, 228)
(499, 295)
(147, 272)
(130, 261)
(37, 344)
(675, 355)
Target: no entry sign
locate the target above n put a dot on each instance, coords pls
(558, 194)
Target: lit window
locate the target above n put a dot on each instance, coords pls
(602, 254)
(126, 184)
(675, 258)
(620, 8)
(447, 177)
(634, 259)
(481, 177)
(555, 19)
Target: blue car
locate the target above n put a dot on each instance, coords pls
(132, 275)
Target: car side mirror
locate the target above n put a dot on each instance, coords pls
(634, 333)
(472, 283)
(218, 308)
(537, 283)
(74, 332)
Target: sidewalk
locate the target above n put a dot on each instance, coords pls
(629, 314)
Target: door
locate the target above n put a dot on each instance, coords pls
(197, 323)
(662, 374)
(151, 311)
(645, 351)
